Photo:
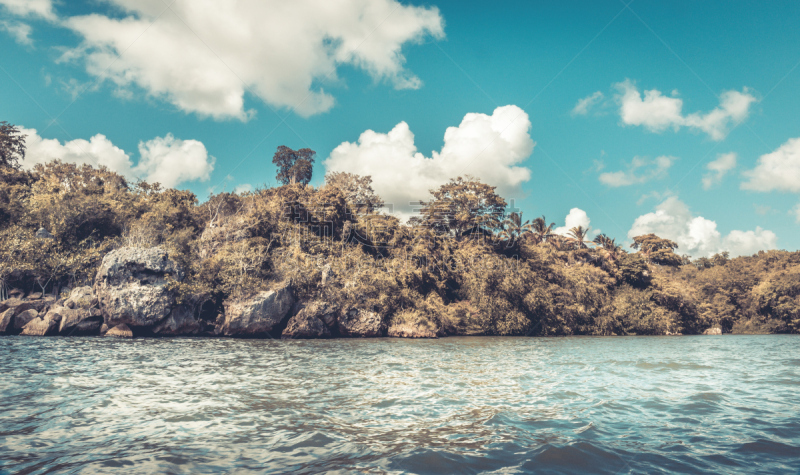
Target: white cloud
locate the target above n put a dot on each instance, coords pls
(796, 212)
(717, 169)
(171, 161)
(776, 171)
(658, 112)
(652, 169)
(21, 32)
(696, 235)
(167, 160)
(30, 8)
(490, 147)
(583, 105)
(576, 217)
(203, 56)
(243, 188)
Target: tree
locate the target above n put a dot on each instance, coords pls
(542, 232)
(294, 166)
(12, 145)
(357, 191)
(578, 236)
(657, 250)
(514, 228)
(463, 206)
(612, 250)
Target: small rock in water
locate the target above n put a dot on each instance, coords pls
(120, 331)
(713, 331)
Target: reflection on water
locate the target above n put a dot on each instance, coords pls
(568, 405)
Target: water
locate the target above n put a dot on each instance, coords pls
(468, 405)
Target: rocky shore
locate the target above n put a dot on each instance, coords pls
(132, 296)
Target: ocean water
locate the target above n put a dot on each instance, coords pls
(705, 404)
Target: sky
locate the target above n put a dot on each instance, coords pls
(678, 118)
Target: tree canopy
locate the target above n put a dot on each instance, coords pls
(12, 145)
(294, 166)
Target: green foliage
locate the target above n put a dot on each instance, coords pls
(12, 145)
(294, 166)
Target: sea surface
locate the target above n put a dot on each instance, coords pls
(705, 404)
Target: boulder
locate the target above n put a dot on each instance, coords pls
(131, 286)
(405, 330)
(34, 296)
(312, 321)
(258, 314)
(713, 331)
(360, 323)
(21, 305)
(327, 275)
(22, 318)
(6, 320)
(103, 329)
(120, 331)
(181, 321)
(42, 326)
(78, 321)
(80, 297)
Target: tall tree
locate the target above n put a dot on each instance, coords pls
(657, 250)
(578, 236)
(12, 145)
(542, 232)
(464, 206)
(357, 191)
(294, 166)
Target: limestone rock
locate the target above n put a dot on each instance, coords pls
(256, 315)
(713, 331)
(181, 321)
(405, 330)
(81, 297)
(6, 320)
(312, 321)
(120, 331)
(78, 321)
(42, 326)
(131, 286)
(360, 323)
(22, 318)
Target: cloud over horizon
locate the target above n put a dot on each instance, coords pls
(166, 160)
(698, 236)
(718, 168)
(489, 147)
(640, 170)
(776, 171)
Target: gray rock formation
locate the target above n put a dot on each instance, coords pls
(131, 286)
(256, 315)
(78, 321)
(42, 326)
(22, 318)
(312, 321)
(360, 323)
(406, 330)
(120, 331)
(713, 331)
(7, 320)
(181, 321)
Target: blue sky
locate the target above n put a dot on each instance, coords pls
(169, 77)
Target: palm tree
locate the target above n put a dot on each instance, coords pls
(542, 232)
(514, 228)
(612, 250)
(578, 236)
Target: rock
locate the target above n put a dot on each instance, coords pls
(16, 293)
(80, 297)
(327, 275)
(22, 305)
(35, 296)
(12, 302)
(405, 330)
(120, 331)
(313, 321)
(42, 326)
(256, 315)
(713, 331)
(103, 329)
(6, 320)
(42, 233)
(181, 321)
(22, 318)
(131, 286)
(79, 321)
(360, 323)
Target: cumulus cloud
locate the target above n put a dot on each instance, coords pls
(583, 105)
(776, 171)
(30, 8)
(717, 169)
(166, 160)
(640, 170)
(490, 147)
(698, 236)
(658, 112)
(21, 32)
(575, 217)
(203, 56)
(243, 188)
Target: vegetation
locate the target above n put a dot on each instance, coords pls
(463, 266)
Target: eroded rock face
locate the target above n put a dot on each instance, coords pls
(312, 321)
(23, 318)
(360, 323)
(6, 320)
(120, 331)
(181, 321)
(410, 331)
(256, 315)
(713, 331)
(81, 297)
(131, 286)
(42, 326)
(78, 321)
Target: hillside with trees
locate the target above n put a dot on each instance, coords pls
(462, 266)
